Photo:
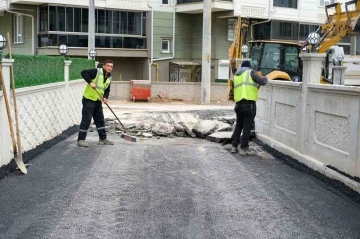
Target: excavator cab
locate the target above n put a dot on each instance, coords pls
(276, 60)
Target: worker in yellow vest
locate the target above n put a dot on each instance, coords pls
(246, 83)
(99, 79)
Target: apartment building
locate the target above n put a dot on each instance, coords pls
(122, 30)
(144, 37)
(290, 20)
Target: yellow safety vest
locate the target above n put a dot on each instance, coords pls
(91, 94)
(245, 87)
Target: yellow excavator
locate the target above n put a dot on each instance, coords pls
(279, 60)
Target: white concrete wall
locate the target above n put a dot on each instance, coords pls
(331, 134)
(43, 111)
(188, 91)
(2, 5)
(159, 7)
(352, 72)
(308, 11)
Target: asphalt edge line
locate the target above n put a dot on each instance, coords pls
(309, 166)
(31, 154)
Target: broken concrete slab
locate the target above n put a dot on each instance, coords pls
(219, 137)
(162, 129)
(187, 130)
(179, 128)
(227, 119)
(181, 134)
(143, 126)
(187, 119)
(223, 126)
(147, 135)
(179, 124)
(204, 127)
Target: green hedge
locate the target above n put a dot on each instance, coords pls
(79, 64)
(40, 70)
(37, 70)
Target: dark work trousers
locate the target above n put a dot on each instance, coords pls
(245, 115)
(92, 109)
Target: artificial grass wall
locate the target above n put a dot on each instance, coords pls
(33, 70)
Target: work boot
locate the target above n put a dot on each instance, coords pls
(105, 142)
(247, 151)
(234, 150)
(82, 143)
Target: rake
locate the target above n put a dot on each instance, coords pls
(126, 136)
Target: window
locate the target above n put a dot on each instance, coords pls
(262, 31)
(165, 46)
(291, 59)
(18, 29)
(255, 51)
(284, 30)
(165, 2)
(44, 25)
(231, 29)
(271, 56)
(113, 29)
(324, 3)
(305, 30)
(285, 3)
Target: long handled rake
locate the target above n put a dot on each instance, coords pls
(126, 136)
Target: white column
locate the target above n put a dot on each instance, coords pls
(311, 74)
(339, 75)
(353, 45)
(312, 63)
(66, 120)
(206, 54)
(91, 33)
(6, 143)
(96, 64)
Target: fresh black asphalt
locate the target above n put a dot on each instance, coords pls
(168, 188)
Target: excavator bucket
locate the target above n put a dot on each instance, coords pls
(353, 16)
(339, 25)
(350, 18)
(355, 25)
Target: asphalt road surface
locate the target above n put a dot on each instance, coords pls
(168, 188)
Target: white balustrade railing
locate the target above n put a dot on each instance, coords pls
(128, 4)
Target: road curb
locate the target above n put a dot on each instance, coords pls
(31, 154)
(310, 166)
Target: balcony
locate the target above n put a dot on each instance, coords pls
(197, 6)
(139, 5)
(2, 5)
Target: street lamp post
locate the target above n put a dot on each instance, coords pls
(63, 50)
(3, 44)
(93, 54)
(244, 50)
(313, 39)
(340, 59)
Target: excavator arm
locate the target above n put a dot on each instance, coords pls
(338, 25)
(235, 49)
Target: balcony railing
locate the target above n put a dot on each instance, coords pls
(128, 4)
(3, 4)
(194, 1)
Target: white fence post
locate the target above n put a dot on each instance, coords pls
(67, 94)
(5, 142)
(339, 75)
(311, 74)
